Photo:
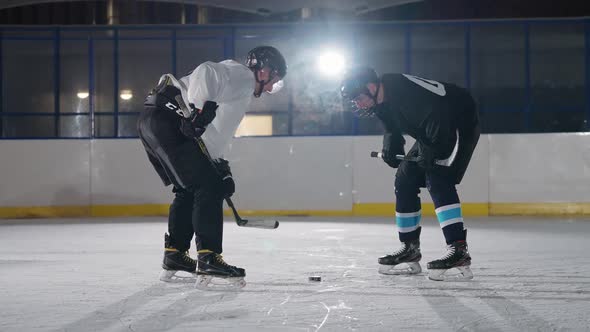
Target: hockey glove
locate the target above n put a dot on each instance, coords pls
(228, 186)
(426, 158)
(203, 117)
(194, 126)
(391, 147)
(389, 159)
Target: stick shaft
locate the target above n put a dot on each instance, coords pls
(375, 154)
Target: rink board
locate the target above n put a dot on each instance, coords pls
(532, 174)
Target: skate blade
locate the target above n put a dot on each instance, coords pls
(460, 273)
(172, 277)
(214, 283)
(401, 269)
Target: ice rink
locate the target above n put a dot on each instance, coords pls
(531, 274)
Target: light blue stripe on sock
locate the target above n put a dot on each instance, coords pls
(407, 221)
(449, 214)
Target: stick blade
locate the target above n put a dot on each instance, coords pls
(259, 223)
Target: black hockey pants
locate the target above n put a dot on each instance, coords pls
(198, 203)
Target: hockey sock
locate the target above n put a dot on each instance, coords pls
(451, 222)
(408, 224)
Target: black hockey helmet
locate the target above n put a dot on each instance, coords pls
(267, 56)
(355, 83)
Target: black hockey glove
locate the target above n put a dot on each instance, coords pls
(228, 186)
(426, 158)
(203, 117)
(389, 159)
(390, 149)
(189, 130)
(194, 126)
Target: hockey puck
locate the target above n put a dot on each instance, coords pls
(315, 278)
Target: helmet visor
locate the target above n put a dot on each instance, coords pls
(276, 87)
(361, 106)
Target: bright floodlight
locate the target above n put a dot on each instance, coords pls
(126, 94)
(82, 94)
(331, 63)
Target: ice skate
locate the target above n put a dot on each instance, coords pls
(404, 261)
(178, 266)
(454, 266)
(215, 274)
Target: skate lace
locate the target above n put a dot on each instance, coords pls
(450, 252)
(187, 258)
(400, 250)
(220, 260)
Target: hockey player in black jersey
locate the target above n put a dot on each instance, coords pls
(443, 119)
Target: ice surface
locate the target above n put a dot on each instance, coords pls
(531, 274)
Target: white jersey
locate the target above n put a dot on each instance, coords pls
(229, 84)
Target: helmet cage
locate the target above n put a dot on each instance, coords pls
(355, 85)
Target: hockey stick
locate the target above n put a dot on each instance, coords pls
(256, 223)
(375, 154)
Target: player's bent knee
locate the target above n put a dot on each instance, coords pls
(405, 186)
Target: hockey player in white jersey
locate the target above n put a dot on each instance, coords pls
(208, 105)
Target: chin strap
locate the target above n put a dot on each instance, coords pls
(260, 84)
(374, 97)
(371, 110)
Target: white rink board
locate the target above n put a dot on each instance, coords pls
(284, 173)
(291, 173)
(122, 174)
(44, 173)
(540, 168)
(373, 180)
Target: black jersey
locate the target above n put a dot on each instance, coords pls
(429, 111)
